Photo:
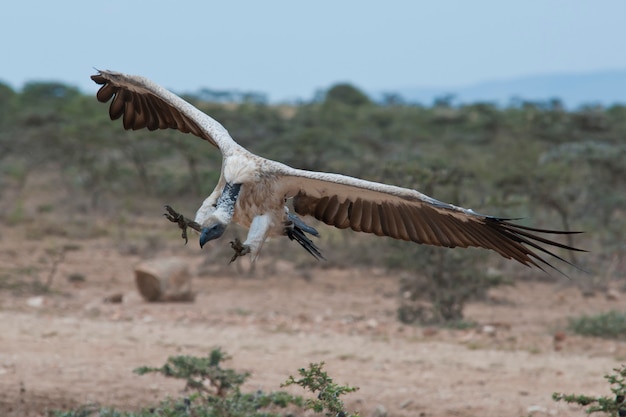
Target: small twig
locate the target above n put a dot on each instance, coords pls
(56, 262)
(53, 269)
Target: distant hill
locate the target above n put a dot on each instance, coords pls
(574, 90)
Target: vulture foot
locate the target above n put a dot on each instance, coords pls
(239, 248)
(183, 222)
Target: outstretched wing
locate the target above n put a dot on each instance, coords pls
(144, 104)
(401, 213)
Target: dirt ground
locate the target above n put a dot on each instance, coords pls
(69, 347)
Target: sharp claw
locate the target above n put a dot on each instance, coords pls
(236, 245)
(171, 213)
(170, 217)
(239, 248)
(175, 217)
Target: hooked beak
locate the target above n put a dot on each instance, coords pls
(210, 233)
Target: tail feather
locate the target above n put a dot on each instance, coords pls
(296, 231)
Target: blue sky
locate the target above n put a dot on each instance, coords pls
(290, 49)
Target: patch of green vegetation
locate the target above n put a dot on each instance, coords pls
(613, 406)
(17, 214)
(460, 324)
(347, 357)
(239, 311)
(45, 208)
(328, 398)
(21, 280)
(216, 392)
(611, 325)
(76, 277)
(475, 345)
(197, 372)
(446, 282)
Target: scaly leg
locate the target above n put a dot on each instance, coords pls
(257, 233)
(183, 222)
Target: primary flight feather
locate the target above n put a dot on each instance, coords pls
(253, 191)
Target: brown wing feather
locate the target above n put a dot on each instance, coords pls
(140, 108)
(407, 215)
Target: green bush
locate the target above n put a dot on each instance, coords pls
(447, 280)
(216, 392)
(613, 406)
(611, 325)
(200, 374)
(328, 397)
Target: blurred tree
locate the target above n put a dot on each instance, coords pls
(393, 99)
(7, 117)
(7, 96)
(347, 94)
(47, 94)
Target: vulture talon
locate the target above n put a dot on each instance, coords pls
(239, 248)
(183, 222)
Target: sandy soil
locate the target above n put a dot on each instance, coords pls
(70, 347)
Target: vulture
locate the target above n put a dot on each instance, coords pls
(254, 191)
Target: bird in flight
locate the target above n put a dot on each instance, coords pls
(254, 191)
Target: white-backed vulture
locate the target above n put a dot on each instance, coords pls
(253, 191)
